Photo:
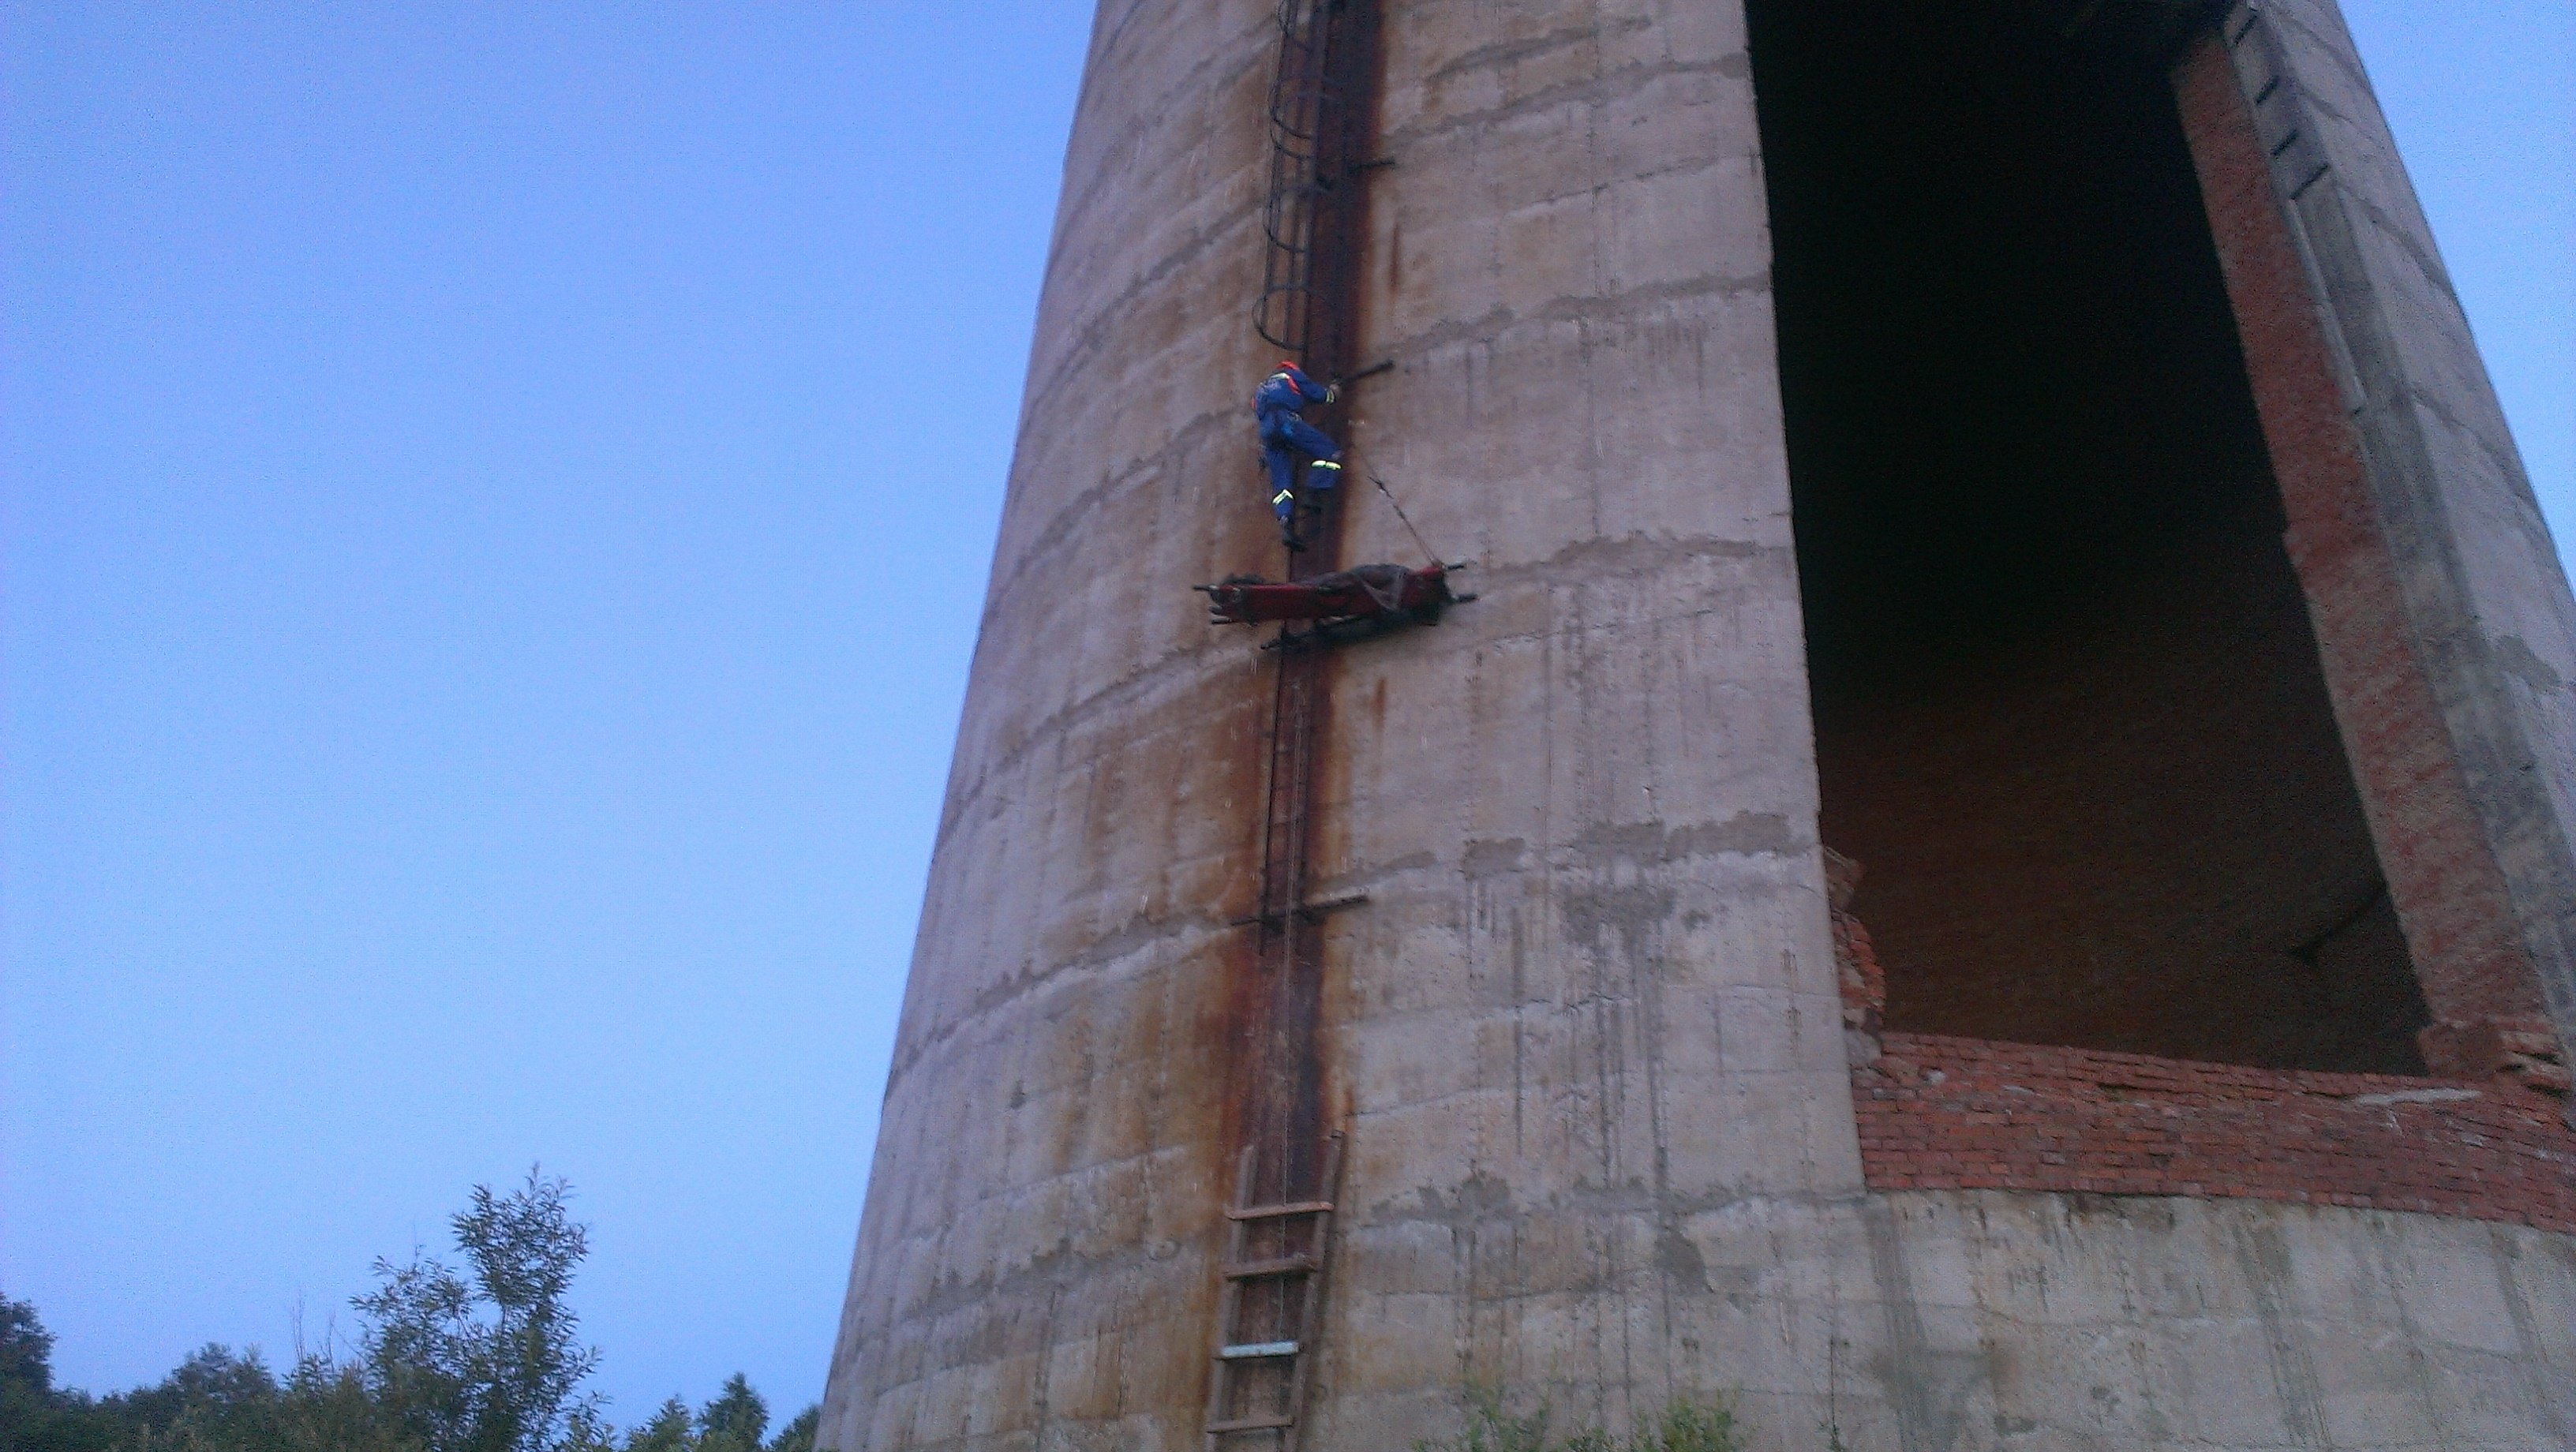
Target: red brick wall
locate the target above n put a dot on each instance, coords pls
(1942, 1113)
(2450, 894)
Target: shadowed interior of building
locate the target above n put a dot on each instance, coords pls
(2069, 711)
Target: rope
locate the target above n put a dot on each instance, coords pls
(1428, 552)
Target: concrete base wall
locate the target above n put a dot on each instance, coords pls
(1969, 1320)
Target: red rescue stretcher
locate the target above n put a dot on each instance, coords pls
(1345, 604)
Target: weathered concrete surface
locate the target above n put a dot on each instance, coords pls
(2010, 1321)
(1585, 1033)
(1034, 1250)
(1949, 1321)
(1590, 1010)
(1036, 1244)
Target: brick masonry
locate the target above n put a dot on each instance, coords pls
(1941, 1112)
(2449, 888)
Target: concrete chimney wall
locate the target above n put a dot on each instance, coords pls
(1585, 1036)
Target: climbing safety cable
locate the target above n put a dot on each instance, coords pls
(1429, 555)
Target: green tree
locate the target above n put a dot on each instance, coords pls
(798, 1434)
(35, 1416)
(735, 1420)
(493, 1363)
(669, 1431)
(216, 1399)
(327, 1406)
(482, 1358)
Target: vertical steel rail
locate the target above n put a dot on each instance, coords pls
(1322, 117)
(1298, 113)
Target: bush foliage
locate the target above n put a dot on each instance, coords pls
(1684, 1426)
(482, 1357)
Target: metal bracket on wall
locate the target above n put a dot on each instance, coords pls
(1312, 912)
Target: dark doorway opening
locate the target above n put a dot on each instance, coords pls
(2069, 712)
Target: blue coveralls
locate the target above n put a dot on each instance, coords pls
(1284, 435)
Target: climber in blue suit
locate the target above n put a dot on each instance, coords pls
(1279, 405)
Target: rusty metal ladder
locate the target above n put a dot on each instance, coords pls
(1306, 96)
(1279, 1211)
(1269, 1301)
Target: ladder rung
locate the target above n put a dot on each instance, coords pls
(1256, 1350)
(1283, 1265)
(1252, 1424)
(1274, 1212)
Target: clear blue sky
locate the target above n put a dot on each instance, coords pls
(497, 500)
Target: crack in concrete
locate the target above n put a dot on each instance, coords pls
(1595, 91)
(1506, 52)
(1494, 326)
(1134, 936)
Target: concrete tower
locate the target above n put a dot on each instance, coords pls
(1991, 869)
